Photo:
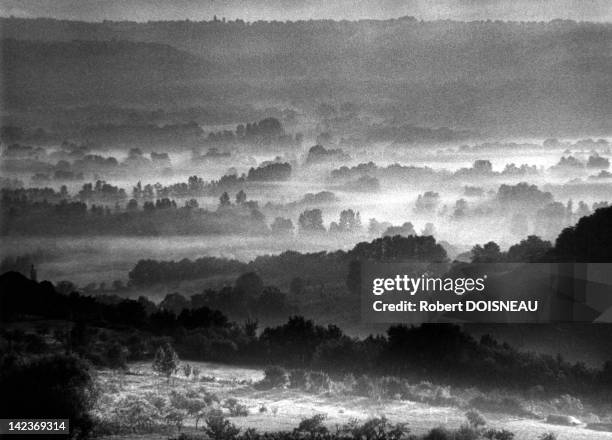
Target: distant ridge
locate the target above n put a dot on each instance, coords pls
(503, 77)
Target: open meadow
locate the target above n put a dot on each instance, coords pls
(282, 409)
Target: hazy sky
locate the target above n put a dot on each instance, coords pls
(142, 10)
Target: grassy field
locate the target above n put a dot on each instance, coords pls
(283, 409)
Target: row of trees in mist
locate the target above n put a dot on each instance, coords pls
(264, 133)
(73, 162)
(440, 353)
(576, 243)
(323, 265)
(480, 169)
(163, 217)
(29, 211)
(102, 208)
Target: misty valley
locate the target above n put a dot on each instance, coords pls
(186, 208)
(298, 197)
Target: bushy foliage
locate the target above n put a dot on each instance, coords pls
(377, 428)
(136, 414)
(204, 334)
(162, 217)
(439, 433)
(466, 432)
(116, 356)
(235, 408)
(494, 434)
(166, 360)
(57, 386)
(274, 377)
(312, 425)
(219, 428)
(175, 418)
(195, 404)
(296, 341)
(475, 419)
(590, 240)
(568, 404)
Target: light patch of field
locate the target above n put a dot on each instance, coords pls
(218, 372)
(285, 408)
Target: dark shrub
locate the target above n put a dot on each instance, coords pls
(275, 377)
(475, 419)
(235, 408)
(467, 433)
(218, 428)
(313, 425)
(59, 386)
(439, 433)
(377, 428)
(494, 434)
(116, 356)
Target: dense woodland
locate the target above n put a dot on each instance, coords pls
(199, 332)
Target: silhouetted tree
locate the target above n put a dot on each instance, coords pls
(175, 303)
(224, 200)
(532, 249)
(282, 225)
(590, 240)
(132, 205)
(427, 202)
(241, 197)
(311, 221)
(166, 360)
(489, 253)
(192, 204)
